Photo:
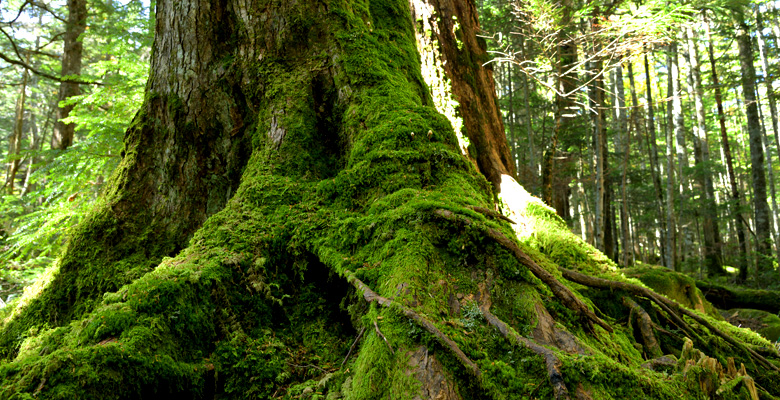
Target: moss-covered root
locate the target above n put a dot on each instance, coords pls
(371, 296)
(645, 327)
(671, 308)
(559, 290)
(551, 361)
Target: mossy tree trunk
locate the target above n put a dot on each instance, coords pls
(292, 216)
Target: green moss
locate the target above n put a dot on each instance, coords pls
(674, 285)
(257, 303)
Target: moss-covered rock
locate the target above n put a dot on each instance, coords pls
(674, 285)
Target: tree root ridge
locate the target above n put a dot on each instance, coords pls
(371, 296)
(670, 307)
(552, 362)
(491, 213)
(559, 290)
(645, 327)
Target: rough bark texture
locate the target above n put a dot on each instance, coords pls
(760, 205)
(654, 163)
(736, 203)
(327, 272)
(71, 65)
(713, 259)
(453, 33)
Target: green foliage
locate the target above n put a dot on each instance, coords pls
(63, 185)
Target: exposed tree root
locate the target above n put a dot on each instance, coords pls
(559, 290)
(670, 307)
(645, 327)
(550, 359)
(371, 296)
(491, 213)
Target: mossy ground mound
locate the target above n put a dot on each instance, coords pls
(674, 285)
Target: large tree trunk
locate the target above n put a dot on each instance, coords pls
(350, 250)
(760, 206)
(71, 65)
(448, 42)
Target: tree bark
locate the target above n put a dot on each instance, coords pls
(760, 205)
(768, 82)
(453, 40)
(712, 246)
(357, 256)
(654, 164)
(71, 65)
(15, 143)
(620, 107)
(671, 232)
(736, 203)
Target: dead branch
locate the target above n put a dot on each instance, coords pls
(371, 296)
(353, 345)
(559, 290)
(670, 307)
(378, 332)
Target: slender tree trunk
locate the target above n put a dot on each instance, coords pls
(761, 207)
(622, 119)
(527, 120)
(712, 246)
(71, 65)
(769, 171)
(15, 144)
(678, 124)
(768, 82)
(736, 203)
(511, 116)
(654, 163)
(768, 79)
(671, 249)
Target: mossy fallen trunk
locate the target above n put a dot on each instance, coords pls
(330, 271)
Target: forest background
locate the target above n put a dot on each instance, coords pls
(650, 127)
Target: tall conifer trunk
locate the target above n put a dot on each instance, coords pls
(736, 203)
(760, 205)
(71, 65)
(712, 246)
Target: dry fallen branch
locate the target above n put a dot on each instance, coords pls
(559, 290)
(371, 296)
(669, 306)
(357, 339)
